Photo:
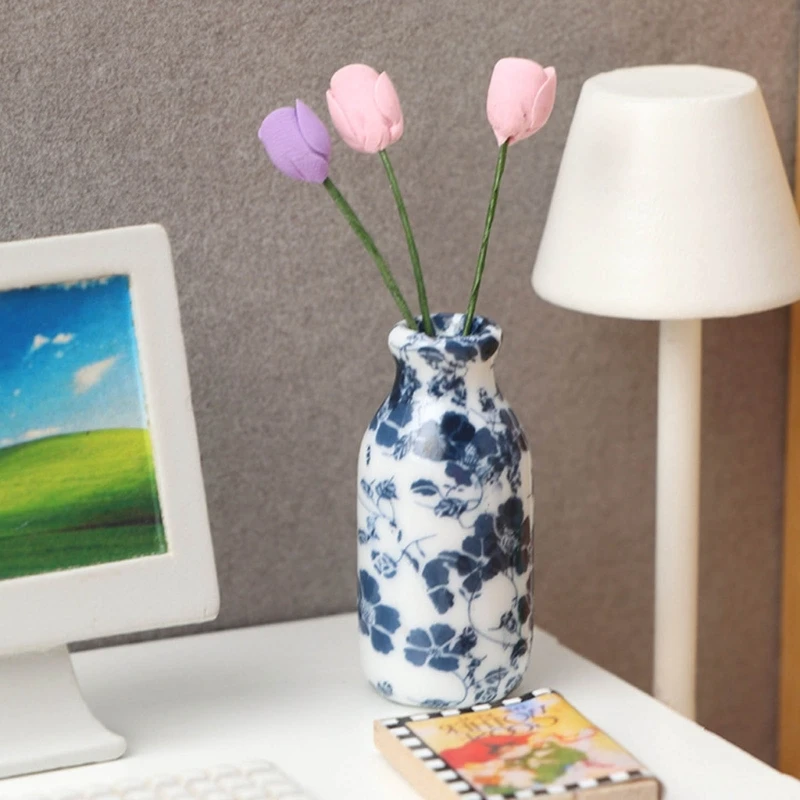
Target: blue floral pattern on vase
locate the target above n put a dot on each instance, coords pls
(445, 525)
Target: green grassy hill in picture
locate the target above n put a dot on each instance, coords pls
(76, 500)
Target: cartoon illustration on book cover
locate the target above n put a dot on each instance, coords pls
(538, 743)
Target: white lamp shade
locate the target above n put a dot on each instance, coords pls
(672, 201)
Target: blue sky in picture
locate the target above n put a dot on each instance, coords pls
(68, 360)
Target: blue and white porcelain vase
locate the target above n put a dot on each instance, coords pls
(445, 523)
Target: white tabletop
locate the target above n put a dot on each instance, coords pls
(292, 693)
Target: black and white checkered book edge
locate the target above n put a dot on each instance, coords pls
(467, 792)
(456, 712)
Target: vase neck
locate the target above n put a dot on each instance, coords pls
(448, 350)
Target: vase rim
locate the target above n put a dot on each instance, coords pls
(447, 326)
(480, 345)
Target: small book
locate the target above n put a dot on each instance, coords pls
(535, 745)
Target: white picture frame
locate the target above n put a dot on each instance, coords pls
(44, 611)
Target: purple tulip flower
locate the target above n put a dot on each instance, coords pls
(297, 143)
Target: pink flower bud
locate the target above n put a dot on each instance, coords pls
(520, 99)
(365, 108)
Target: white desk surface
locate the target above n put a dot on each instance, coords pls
(293, 693)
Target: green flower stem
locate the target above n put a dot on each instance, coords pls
(476, 284)
(412, 246)
(372, 249)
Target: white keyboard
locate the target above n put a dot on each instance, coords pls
(259, 780)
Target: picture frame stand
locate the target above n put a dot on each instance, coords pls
(46, 723)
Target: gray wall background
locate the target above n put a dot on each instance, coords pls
(135, 111)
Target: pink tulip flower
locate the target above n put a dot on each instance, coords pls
(365, 108)
(520, 99)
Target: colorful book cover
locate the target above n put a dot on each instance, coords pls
(529, 746)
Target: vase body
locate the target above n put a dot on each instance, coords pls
(445, 525)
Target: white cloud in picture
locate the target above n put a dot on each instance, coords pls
(89, 376)
(30, 436)
(38, 433)
(40, 340)
(17, 392)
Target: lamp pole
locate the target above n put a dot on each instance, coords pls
(677, 513)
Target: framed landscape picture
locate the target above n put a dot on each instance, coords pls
(77, 477)
(103, 520)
